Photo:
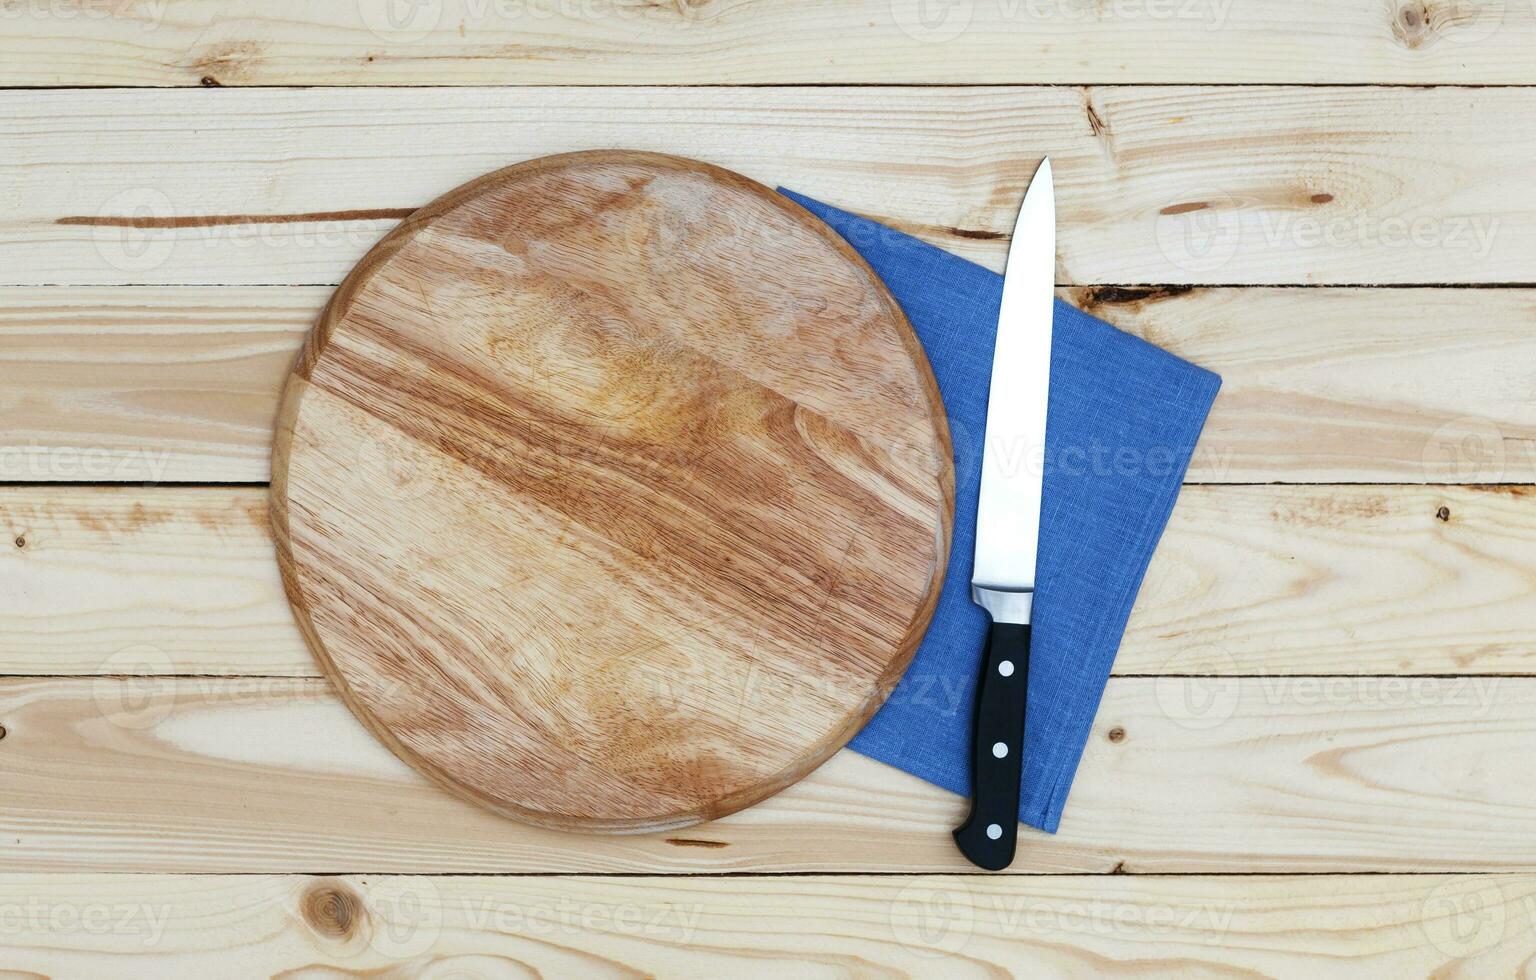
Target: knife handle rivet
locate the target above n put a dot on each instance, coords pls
(994, 831)
(1005, 668)
(999, 749)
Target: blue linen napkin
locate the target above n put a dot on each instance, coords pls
(1123, 420)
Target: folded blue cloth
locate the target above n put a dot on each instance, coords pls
(1123, 419)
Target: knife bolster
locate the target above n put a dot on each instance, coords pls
(1004, 605)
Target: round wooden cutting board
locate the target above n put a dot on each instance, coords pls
(613, 491)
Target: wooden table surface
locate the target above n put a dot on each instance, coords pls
(1315, 754)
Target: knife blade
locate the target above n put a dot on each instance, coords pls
(1008, 525)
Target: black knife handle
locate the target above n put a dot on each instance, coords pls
(988, 835)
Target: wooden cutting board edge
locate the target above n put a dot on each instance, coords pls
(298, 384)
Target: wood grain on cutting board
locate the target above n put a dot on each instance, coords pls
(613, 490)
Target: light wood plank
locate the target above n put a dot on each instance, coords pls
(181, 383)
(479, 42)
(963, 926)
(111, 384)
(1348, 384)
(1156, 185)
(1247, 580)
(1348, 580)
(1181, 775)
(143, 581)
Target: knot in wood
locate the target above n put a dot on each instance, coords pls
(332, 910)
(1410, 23)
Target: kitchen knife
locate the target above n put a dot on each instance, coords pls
(1008, 525)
